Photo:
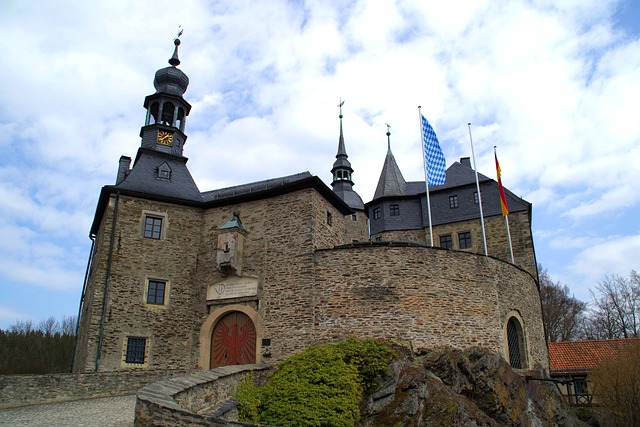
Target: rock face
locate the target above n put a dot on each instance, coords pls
(473, 387)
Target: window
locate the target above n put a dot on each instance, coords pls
(329, 218)
(379, 239)
(581, 387)
(464, 240)
(152, 227)
(446, 242)
(394, 210)
(515, 343)
(155, 292)
(135, 350)
(453, 202)
(376, 213)
(354, 217)
(475, 197)
(164, 172)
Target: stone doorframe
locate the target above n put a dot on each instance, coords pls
(206, 330)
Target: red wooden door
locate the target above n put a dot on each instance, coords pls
(233, 341)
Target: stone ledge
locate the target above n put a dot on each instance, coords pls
(181, 401)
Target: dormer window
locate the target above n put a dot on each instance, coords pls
(164, 172)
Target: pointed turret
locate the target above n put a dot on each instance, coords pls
(341, 171)
(391, 182)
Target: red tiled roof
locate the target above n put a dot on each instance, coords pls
(579, 357)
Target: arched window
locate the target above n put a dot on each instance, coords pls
(516, 344)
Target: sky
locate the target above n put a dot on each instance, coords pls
(554, 84)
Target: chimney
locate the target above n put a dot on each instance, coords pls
(123, 168)
(466, 161)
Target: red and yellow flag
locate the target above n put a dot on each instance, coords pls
(503, 198)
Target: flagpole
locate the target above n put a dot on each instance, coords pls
(503, 204)
(426, 175)
(506, 220)
(475, 170)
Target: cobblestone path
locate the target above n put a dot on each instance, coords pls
(101, 412)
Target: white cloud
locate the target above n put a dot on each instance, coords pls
(616, 255)
(553, 85)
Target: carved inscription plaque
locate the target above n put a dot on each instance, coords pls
(233, 287)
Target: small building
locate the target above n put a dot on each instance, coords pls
(572, 361)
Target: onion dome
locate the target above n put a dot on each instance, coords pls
(172, 80)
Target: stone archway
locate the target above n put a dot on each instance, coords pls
(233, 341)
(214, 325)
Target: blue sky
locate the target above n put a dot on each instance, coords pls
(554, 84)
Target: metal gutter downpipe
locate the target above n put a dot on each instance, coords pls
(107, 280)
(84, 289)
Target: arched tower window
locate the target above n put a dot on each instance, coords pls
(516, 344)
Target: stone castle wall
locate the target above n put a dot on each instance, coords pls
(306, 290)
(426, 296)
(136, 260)
(22, 390)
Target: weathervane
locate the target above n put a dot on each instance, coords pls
(340, 105)
(388, 137)
(180, 31)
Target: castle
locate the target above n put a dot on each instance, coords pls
(184, 279)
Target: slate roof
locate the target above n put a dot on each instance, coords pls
(346, 193)
(143, 177)
(580, 357)
(142, 182)
(391, 182)
(460, 181)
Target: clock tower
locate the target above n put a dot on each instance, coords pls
(167, 110)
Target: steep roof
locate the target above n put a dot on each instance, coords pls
(460, 179)
(391, 182)
(580, 357)
(222, 197)
(143, 177)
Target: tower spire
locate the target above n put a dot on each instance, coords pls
(391, 182)
(167, 109)
(341, 171)
(388, 138)
(174, 60)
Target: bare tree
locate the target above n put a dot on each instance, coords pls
(562, 312)
(617, 386)
(615, 311)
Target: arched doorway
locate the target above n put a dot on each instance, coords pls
(233, 341)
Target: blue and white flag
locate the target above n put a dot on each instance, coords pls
(434, 160)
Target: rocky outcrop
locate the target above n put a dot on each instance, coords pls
(473, 387)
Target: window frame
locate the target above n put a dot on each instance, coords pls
(453, 202)
(445, 236)
(394, 209)
(465, 236)
(148, 295)
(133, 355)
(154, 234)
(376, 213)
(516, 344)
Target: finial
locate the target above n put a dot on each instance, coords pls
(176, 41)
(340, 105)
(388, 137)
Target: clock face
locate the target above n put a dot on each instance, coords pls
(165, 137)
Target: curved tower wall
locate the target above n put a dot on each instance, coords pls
(426, 296)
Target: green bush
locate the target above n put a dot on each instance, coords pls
(318, 387)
